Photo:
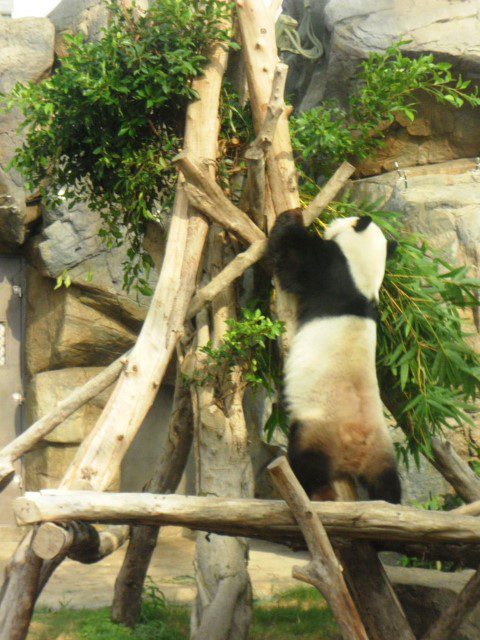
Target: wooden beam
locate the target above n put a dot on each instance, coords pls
(63, 409)
(323, 571)
(266, 519)
(83, 542)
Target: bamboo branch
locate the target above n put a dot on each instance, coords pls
(266, 519)
(452, 617)
(42, 427)
(323, 571)
(205, 194)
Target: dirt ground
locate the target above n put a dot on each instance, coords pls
(76, 585)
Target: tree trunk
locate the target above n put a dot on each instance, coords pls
(165, 479)
(222, 609)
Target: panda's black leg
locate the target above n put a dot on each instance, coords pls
(312, 468)
(385, 486)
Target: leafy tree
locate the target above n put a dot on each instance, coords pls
(105, 126)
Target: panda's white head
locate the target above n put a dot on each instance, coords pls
(365, 248)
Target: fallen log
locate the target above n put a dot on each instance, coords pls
(265, 519)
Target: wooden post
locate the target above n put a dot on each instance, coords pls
(165, 479)
(323, 571)
(372, 592)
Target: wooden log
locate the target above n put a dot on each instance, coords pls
(372, 592)
(275, 108)
(452, 617)
(205, 194)
(455, 470)
(323, 571)
(18, 597)
(259, 49)
(83, 542)
(267, 519)
(472, 509)
(331, 189)
(165, 479)
(231, 272)
(42, 427)
(222, 607)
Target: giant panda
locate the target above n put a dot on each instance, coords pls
(338, 429)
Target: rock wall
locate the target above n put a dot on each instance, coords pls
(351, 29)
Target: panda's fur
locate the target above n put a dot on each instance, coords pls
(338, 426)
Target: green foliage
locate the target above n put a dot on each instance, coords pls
(248, 347)
(106, 125)
(385, 87)
(300, 613)
(428, 372)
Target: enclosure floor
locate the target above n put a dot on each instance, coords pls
(76, 585)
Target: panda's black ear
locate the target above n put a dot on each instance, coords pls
(391, 248)
(362, 223)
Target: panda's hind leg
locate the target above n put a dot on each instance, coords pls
(385, 486)
(312, 468)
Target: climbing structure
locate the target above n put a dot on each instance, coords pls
(336, 534)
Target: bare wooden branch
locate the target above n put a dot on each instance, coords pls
(56, 416)
(472, 509)
(257, 30)
(266, 519)
(328, 192)
(255, 187)
(205, 194)
(231, 272)
(452, 617)
(275, 107)
(323, 571)
(455, 470)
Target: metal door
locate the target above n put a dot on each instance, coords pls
(11, 389)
